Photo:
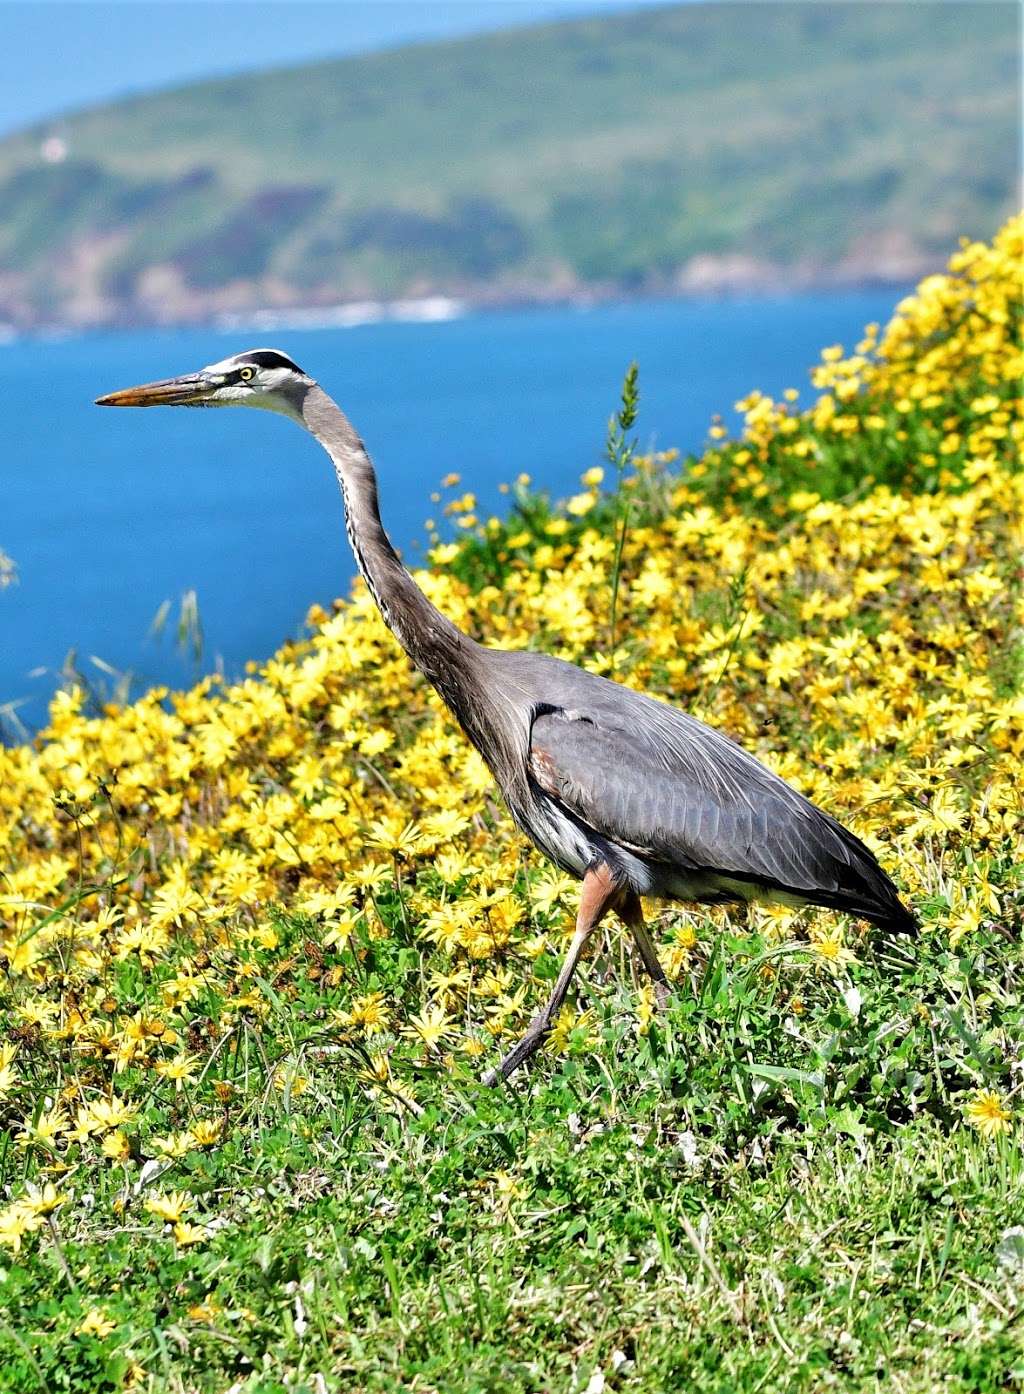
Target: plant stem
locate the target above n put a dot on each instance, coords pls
(620, 450)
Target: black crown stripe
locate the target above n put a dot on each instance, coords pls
(268, 358)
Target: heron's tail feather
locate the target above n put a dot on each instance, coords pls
(866, 890)
(888, 914)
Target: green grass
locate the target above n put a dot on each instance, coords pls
(607, 150)
(741, 1199)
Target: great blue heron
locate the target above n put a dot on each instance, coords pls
(626, 793)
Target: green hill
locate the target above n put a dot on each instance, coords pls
(672, 148)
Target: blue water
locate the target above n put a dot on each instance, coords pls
(108, 513)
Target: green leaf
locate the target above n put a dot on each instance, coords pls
(788, 1075)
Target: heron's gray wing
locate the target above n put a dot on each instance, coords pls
(663, 784)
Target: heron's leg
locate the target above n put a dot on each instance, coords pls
(599, 893)
(630, 912)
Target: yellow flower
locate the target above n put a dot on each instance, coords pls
(392, 836)
(564, 1024)
(507, 1188)
(551, 887)
(828, 945)
(987, 1112)
(645, 1009)
(169, 1207)
(182, 1067)
(44, 1200)
(285, 1079)
(174, 1144)
(966, 922)
(208, 1310)
(101, 1116)
(430, 1026)
(206, 1133)
(15, 1222)
(95, 1323)
(115, 1146)
(45, 1130)
(369, 1012)
(8, 1075)
(186, 1234)
(377, 742)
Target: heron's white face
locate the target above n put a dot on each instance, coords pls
(263, 378)
(241, 382)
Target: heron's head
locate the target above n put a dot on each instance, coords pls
(256, 378)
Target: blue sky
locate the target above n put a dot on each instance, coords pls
(56, 55)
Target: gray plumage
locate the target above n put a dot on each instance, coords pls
(690, 814)
(627, 793)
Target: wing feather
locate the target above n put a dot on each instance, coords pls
(683, 794)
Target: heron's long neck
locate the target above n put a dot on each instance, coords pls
(427, 636)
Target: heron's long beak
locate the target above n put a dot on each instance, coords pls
(190, 391)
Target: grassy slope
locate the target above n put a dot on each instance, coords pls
(611, 148)
(771, 1186)
(384, 1252)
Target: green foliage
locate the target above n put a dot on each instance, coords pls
(741, 1199)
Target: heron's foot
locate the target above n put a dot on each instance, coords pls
(662, 993)
(536, 1034)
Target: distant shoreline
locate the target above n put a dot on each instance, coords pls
(442, 308)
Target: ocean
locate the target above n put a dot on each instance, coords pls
(110, 513)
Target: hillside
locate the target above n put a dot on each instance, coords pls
(682, 148)
(259, 939)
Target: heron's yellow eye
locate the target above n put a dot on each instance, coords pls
(246, 373)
